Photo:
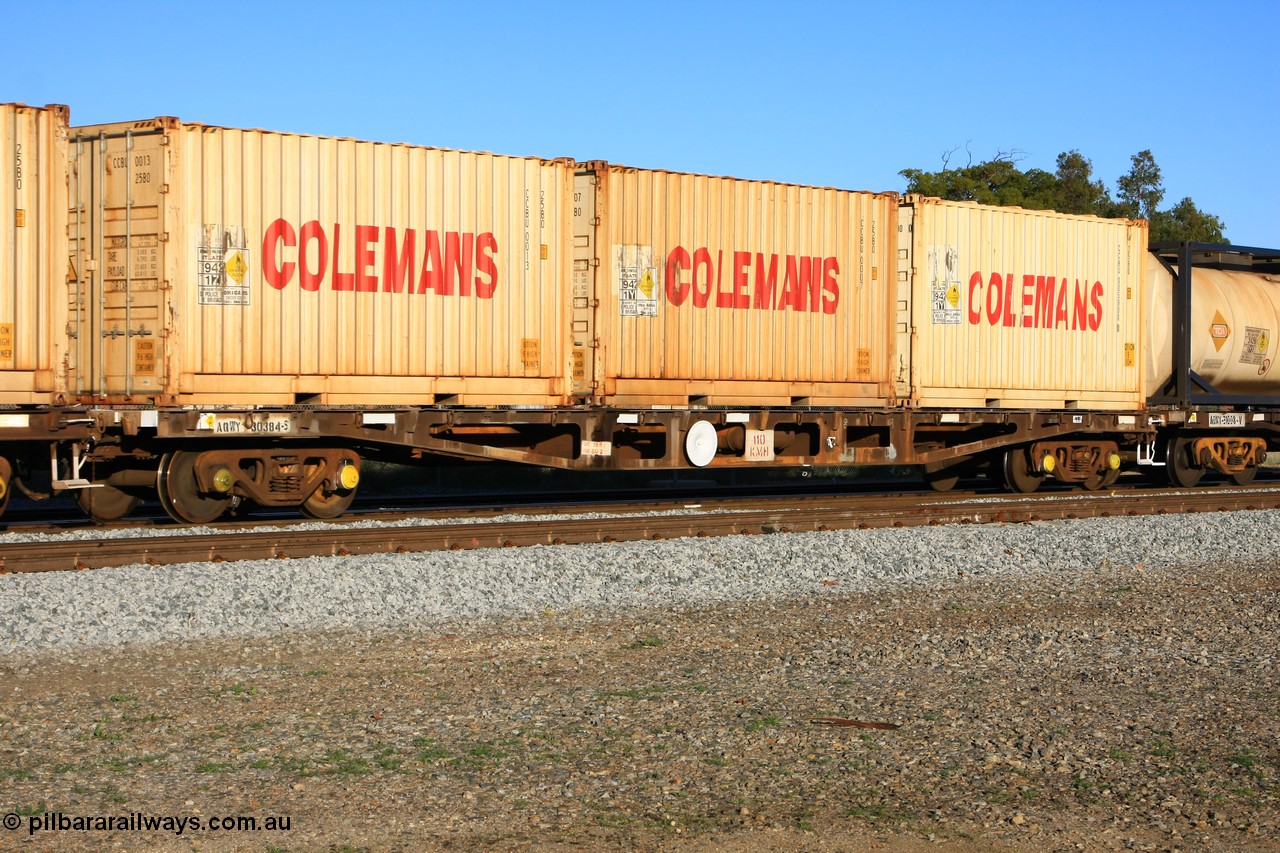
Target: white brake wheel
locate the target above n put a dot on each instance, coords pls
(700, 443)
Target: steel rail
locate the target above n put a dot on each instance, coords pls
(785, 517)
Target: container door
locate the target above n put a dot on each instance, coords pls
(904, 333)
(117, 231)
(584, 344)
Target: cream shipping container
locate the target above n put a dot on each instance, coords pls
(215, 265)
(220, 317)
(720, 291)
(33, 251)
(1016, 308)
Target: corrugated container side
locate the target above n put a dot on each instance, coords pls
(1023, 308)
(323, 270)
(33, 238)
(729, 291)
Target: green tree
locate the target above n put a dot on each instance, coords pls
(1141, 189)
(1077, 192)
(1071, 189)
(997, 181)
(1185, 221)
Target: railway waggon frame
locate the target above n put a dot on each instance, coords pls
(600, 332)
(202, 463)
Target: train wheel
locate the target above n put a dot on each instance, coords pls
(1103, 479)
(1100, 480)
(324, 507)
(942, 477)
(1018, 475)
(106, 503)
(1179, 465)
(1245, 477)
(181, 496)
(6, 483)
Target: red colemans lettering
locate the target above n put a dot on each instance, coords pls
(1037, 302)
(368, 259)
(752, 280)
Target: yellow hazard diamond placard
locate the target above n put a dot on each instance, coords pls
(638, 285)
(646, 284)
(944, 285)
(222, 273)
(1219, 331)
(236, 267)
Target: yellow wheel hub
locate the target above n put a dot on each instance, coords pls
(223, 480)
(348, 476)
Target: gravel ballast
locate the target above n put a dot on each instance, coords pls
(1108, 684)
(146, 604)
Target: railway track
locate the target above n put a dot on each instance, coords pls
(616, 523)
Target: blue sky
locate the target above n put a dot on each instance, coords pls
(834, 94)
